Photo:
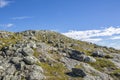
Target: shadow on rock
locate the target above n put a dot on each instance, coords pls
(76, 73)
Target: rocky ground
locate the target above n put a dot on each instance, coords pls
(47, 55)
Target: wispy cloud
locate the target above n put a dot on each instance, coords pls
(4, 3)
(92, 39)
(96, 36)
(115, 38)
(21, 17)
(7, 25)
(93, 33)
(82, 35)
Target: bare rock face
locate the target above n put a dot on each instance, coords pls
(48, 55)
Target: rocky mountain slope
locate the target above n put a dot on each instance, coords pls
(47, 55)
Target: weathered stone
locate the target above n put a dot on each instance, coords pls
(77, 55)
(16, 60)
(30, 60)
(89, 59)
(35, 75)
(98, 54)
(31, 44)
(7, 77)
(78, 72)
(28, 51)
(1, 69)
(37, 68)
(11, 70)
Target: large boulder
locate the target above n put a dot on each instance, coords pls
(31, 44)
(15, 60)
(77, 55)
(10, 70)
(98, 54)
(30, 60)
(89, 59)
(82, 57)
(36, 73)
(27, 51)
(78, 72)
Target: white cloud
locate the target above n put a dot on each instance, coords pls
(21, 17)
(7, 25)
(93, 33)
(106, 36)
(4, 3)
(115, 37)
(94, 40)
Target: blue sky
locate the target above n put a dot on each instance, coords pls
(64, 16)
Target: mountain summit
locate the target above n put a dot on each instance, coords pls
(48, 55)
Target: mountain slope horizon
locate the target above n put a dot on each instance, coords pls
(49, 55)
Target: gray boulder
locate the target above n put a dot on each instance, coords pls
(27, 51)
(7, 77)
(37, 68)
(78, 72)
(89, 59)
(77, 55)
(30, 60)
(16, 60)
(1, 69)
(10, 70)
(36, 73)
(98, 54)
(31, 44)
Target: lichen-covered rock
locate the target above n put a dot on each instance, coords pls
(36, 73)
(30, 60)
(28, 51)
(89, 59)
(15, 60)
(10, 70)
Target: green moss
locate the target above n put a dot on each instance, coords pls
(102, 63)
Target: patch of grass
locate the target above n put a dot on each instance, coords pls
(115, 74)
(54, 71)
(10, 40)
(108, 56)
(36, 54)
(88, 53)
(102, 63)
(79, 66)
